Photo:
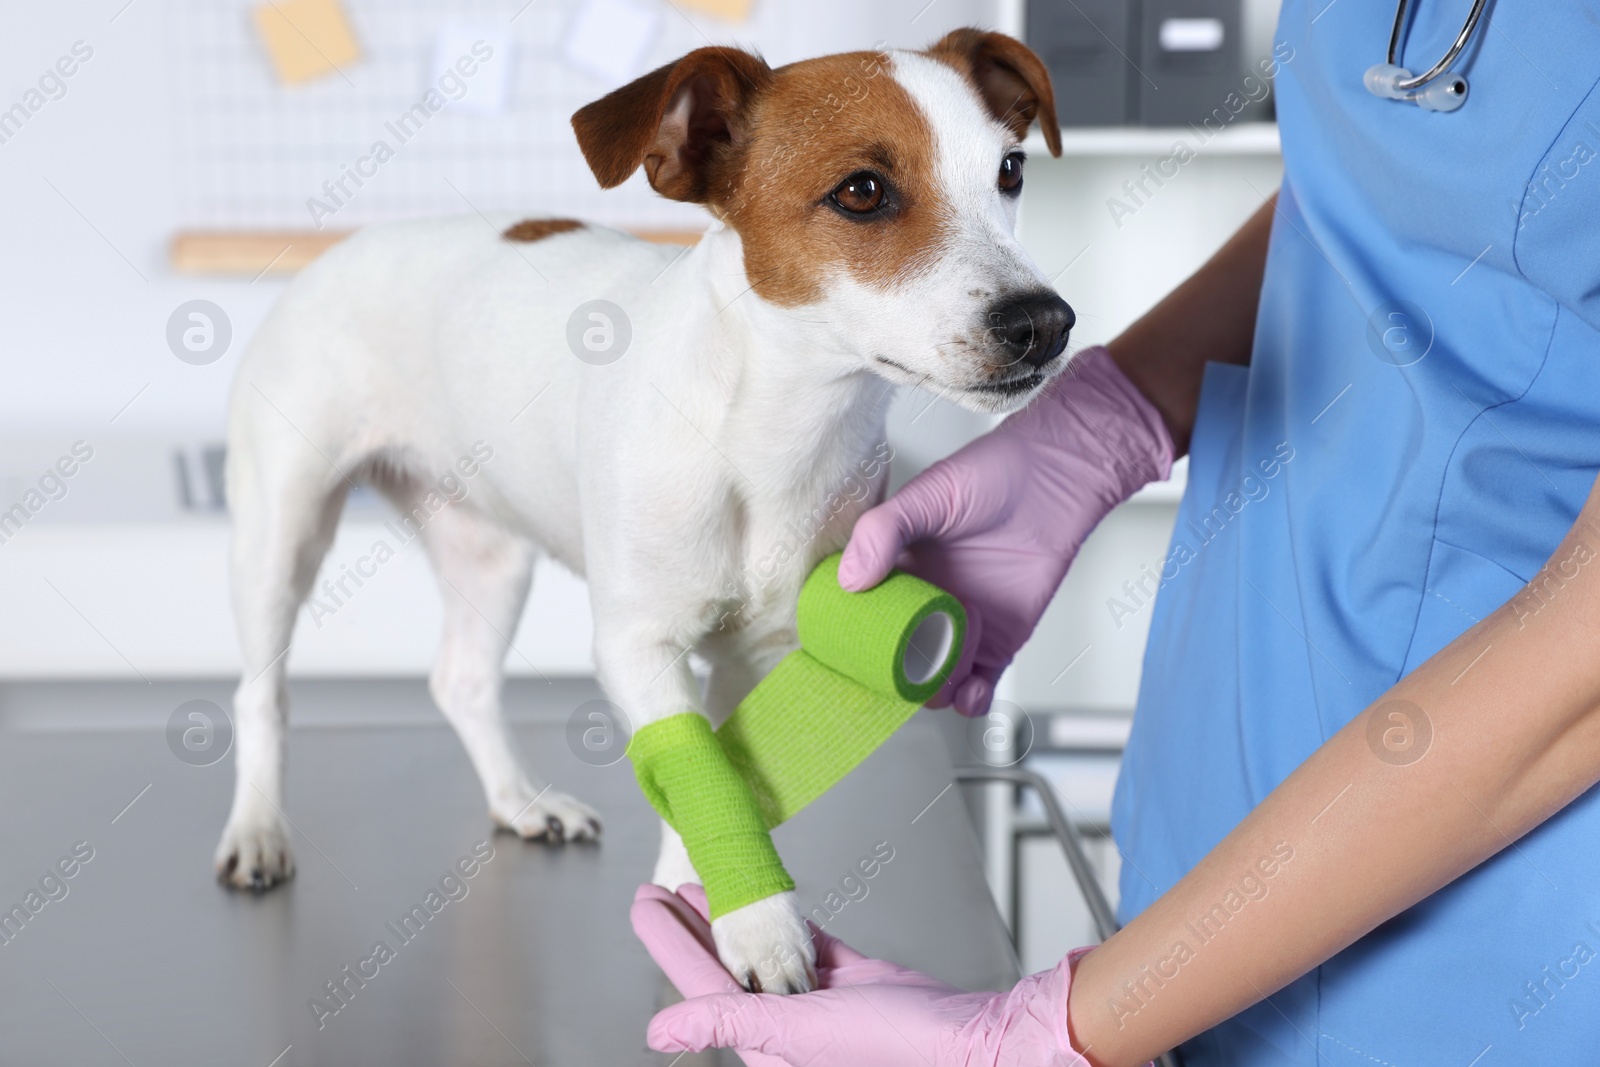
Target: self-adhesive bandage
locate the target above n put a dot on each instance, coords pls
(690, 782)
(866, 663)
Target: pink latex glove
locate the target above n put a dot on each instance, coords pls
(864, 1011)
(998, 523)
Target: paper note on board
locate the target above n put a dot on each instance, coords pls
(472, 65)
(610, 38)
(306, 38)
(732, 10)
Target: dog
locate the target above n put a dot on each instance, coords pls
(864, 208)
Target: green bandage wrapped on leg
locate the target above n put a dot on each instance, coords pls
(690, 782)
(866, 663)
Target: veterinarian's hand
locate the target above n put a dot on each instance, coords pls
(676, 929)
(998, 523)
(866, 1011)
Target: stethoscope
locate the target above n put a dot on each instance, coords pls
(1434, 89)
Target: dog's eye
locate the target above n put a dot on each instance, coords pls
(860, 193)
(1011, 174)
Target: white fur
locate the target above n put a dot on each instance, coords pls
(669, 478)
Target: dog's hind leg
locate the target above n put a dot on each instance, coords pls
(285, 498)
(484, 576)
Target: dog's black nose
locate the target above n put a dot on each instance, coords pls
(1031, 329)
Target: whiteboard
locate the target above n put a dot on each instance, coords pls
(254, 153)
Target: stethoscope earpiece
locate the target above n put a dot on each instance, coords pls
(1441, 94)
(1384, 80)
(1446, 94)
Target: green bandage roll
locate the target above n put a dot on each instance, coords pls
(689, 780)
(866, 663)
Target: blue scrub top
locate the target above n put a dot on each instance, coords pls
(1417, 431)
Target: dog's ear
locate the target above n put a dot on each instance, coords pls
(673, 121)
(1010, 78)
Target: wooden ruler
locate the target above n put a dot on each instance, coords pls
(254, 253)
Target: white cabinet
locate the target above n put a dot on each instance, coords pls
(1112, 266)
(1116, 242)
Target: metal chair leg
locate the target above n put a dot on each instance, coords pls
(1100, 910)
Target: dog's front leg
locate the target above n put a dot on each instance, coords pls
(732, 678)
(761, 936)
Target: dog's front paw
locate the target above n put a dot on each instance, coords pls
(767, 946)
(254, 853)
(548, 816)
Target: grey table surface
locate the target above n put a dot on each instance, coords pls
(147, 960)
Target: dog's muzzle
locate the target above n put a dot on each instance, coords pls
(1031, 330)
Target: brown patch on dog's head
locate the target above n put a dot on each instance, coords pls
(539, 229)
(766, 151)
(826, 167)
(839, 177)
(1011, 79)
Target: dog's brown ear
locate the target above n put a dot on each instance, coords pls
(673, 121)
(1011, 79)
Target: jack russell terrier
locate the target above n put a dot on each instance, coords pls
(865, 207)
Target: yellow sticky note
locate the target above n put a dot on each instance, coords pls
(732, 10)
(306, 38)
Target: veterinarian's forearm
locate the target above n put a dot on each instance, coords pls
(1505, 731)
(1211, 317)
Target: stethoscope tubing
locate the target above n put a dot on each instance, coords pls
(1467, 30)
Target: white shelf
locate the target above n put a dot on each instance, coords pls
(1245, 139)
(144, 600)
(1169, 492)
(1077, 730)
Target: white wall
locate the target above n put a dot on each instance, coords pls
(92, 189)
(1111, 271)
(94, 185)
(85, 290)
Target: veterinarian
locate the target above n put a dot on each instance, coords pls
(1355, 810)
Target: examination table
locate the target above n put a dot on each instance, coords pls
(146, 960)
